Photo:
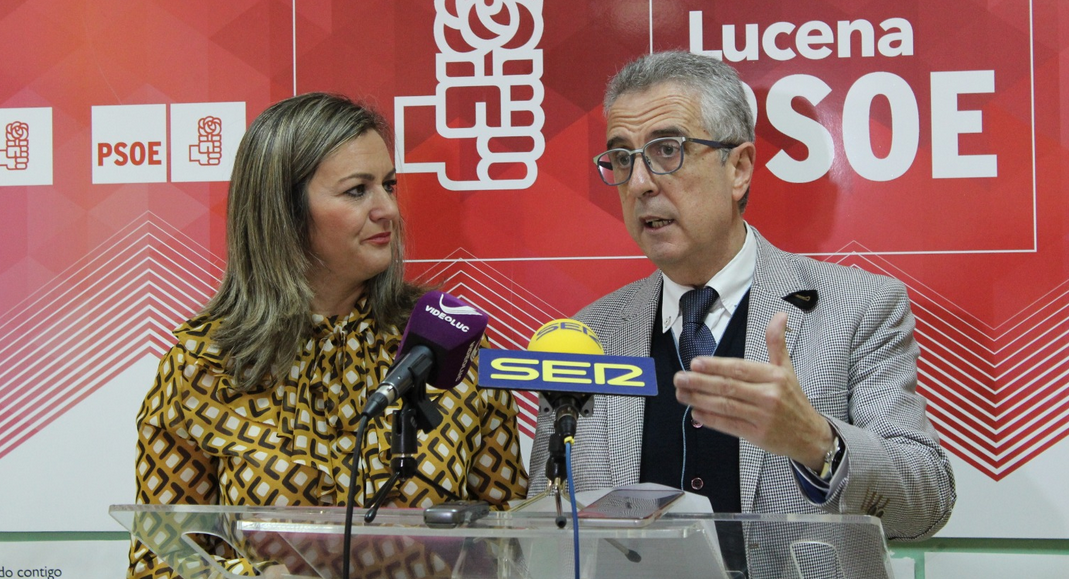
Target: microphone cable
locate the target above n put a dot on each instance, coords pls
(350, 501)
(575, 510)
(353, 474)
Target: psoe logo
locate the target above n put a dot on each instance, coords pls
(204, 140)
(131, 144)
(26, 148)
(489, 71)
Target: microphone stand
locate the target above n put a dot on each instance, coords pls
(566, 408)
(418, 413)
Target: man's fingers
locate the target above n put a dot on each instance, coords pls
(776, 339)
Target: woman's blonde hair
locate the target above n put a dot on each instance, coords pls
(263, 302)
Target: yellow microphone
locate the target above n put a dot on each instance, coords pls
(566, 336)
(566, 364)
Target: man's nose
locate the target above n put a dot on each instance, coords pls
(641, 182)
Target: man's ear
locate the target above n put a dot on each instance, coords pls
(742, 161)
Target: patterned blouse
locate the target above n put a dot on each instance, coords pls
(289, 442)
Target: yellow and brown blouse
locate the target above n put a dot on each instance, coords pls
(289, 442)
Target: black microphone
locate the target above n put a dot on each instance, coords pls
(437, 348)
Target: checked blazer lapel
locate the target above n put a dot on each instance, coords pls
(775, 277)
(631, 337)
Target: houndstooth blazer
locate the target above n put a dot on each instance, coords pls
(856, 360)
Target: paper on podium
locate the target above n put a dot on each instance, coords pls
(690, 503)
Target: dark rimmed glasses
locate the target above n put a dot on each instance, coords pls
(662, 155)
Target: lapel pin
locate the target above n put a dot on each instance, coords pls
(804, 300)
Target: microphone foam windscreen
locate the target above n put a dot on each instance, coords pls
(452, 329)
(566, 336)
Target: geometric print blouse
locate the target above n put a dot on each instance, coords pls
(289, 441)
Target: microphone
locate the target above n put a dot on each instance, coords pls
(565, 363)
(569, 337)
(437, 348)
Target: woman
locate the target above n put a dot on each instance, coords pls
(258, 401)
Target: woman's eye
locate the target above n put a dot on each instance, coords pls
(357, 191)
(390, 186)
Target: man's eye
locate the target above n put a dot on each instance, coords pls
(620, 158)
(667, 149)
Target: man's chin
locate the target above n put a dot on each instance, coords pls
(665, 258)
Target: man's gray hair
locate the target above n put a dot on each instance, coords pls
(726, 114)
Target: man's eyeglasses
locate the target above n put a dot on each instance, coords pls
(662, 155)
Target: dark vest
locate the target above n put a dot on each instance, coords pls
(712, 457)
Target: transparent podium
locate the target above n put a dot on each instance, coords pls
(513, 545)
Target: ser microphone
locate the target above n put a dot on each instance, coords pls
(566, 337)
(566, 365)
(437, 348)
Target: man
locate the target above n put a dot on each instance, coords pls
(810, 404)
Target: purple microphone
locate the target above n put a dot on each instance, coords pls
(440, 341)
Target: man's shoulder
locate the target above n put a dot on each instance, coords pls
(839, 272)
(636, 293)
(817, 274)
(817, 269)
(623, 319)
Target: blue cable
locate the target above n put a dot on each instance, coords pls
(575, 510)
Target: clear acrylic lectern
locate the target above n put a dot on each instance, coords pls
(512, 545)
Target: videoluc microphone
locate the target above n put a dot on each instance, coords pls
(438, 346)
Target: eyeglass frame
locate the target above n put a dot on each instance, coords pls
(632, 152)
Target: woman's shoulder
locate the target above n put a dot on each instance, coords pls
(193, 372)
(195, 341)
(193, 356)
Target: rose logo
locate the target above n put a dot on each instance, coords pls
(16, 155)
(209, 148)
(17, 130)
(209, 126)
